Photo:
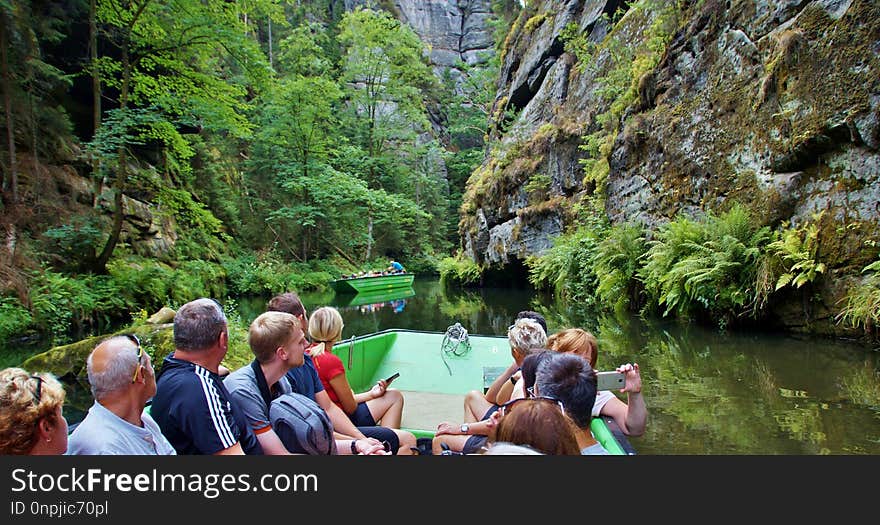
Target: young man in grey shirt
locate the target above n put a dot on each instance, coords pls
(278, 343)
(122, 380)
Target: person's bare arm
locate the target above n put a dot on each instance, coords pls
(234, 450)
(272, 444)
(519, 390)
(377, 391)
(480, 428)
(363, 447)
(506, 392)
(340, 420)
(341, 423)
(637, 411)
(632, 416)
(339, 384)
(504, 377)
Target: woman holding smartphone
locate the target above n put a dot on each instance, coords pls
(377, 406)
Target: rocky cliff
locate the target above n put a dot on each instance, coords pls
(454, 31)
(775, 104)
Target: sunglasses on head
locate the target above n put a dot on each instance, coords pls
(140, 354)
(38, 394)
(507, 407)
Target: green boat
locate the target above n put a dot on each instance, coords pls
(436, 371)
(374, 297)
(373, 284)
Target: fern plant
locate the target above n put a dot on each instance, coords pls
(797, 250)
(863, 302)
(616, 265)
(460, 270)
(707, 266)
(567, 267)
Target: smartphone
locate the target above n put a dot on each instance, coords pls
(613, 380)
(392, 378)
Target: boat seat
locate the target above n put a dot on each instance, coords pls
(426, 410)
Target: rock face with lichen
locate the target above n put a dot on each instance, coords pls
(772, 104)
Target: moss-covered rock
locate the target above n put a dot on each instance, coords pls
(69, 361)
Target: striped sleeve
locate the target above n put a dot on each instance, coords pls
(218, 409)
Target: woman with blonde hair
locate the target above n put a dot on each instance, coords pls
(379, 405)
(31, 422)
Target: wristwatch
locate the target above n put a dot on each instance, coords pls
(464, 428)
(354, 450)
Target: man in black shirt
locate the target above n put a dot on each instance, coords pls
(192, 406)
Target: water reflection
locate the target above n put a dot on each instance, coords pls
(394, 299)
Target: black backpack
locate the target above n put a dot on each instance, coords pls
(302, 425)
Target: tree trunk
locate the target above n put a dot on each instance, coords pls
(271, 58)
(121, 174)
(345, 255)
(97, 179)
(11, 241)
(369, 236)
(10, 186)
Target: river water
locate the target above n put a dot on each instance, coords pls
(708, 392)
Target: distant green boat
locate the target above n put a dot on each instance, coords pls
(374, 297)
(436, 371)
(373, 284)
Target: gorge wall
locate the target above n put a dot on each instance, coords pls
(773, 104)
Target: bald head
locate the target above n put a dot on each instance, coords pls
(111, 365)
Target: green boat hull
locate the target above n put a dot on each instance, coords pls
(435, 377)
(373, 284)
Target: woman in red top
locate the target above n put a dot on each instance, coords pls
(378, 405)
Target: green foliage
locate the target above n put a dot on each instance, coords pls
(15, 319)
(250, 274)
(616, 263)
(797, 249)
(568, 267)
(60, 303)
(534, 22)
(863, 302)
(423, 264)
(538, 187)
(74, 243)
(459, 270)
(197, 278)
(302, 52)
(623, 66)
(707, 266)
(504, 14)
(33, 85)
(150, 284)
(385, 73)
